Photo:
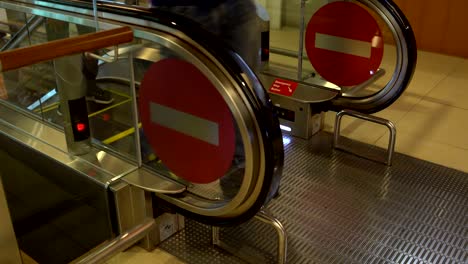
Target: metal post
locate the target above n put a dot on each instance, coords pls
(135, 108)
(281, 232)
(215, 236)
(71, 87)
(301, 41)
(95, 14)
(373, 119)
(266, 218)
(118, 244)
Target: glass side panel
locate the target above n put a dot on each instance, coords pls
(187, 128)
(65, 223)
(34, 88)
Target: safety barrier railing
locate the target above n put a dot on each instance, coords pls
(17, 58)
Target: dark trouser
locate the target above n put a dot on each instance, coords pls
(56, 30)
(234, 21)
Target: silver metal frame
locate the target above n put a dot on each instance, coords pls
(268, 219)
(118, 244)
(373, 119)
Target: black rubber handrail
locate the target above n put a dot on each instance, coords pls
(383, 99)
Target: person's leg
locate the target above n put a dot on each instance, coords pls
(15, 20)
(56, 29)
(90, 71)
(242, 30)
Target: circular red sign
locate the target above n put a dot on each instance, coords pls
(344, 43)
(186, 121)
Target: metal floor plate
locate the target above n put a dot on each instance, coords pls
(340, 208)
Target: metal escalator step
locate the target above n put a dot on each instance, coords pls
(339, 208)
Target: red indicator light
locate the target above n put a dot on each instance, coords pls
(80, 127)
(106, 117)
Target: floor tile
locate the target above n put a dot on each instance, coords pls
(138, 255)
(430, 120)
(368, 132)
(453, 90)
(433, 151)
(431, 69)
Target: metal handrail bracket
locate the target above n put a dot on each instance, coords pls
(373, 119)
(265, 217)
(118, 244)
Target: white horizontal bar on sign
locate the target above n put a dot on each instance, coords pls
(185, 123)
(343, 45)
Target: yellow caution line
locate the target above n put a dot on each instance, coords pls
(47, 108)
(119, 93)
(120, 135)
(108, 108)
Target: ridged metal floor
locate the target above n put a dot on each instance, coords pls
(340, 208)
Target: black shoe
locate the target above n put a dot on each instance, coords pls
(100, 96)
(59, 110)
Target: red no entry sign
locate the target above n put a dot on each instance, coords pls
(187, 121)
(344, 43)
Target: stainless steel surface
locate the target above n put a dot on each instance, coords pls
(71, 85)
(340, 208)
(355, 90)
(9, 251)
(373, 119)
(136, 126)
(267, 218)
(132, 207)
(215, 235)
(305, 93)
(150, 181)
(307, 120)
(129, 205)
(300, 55)
(51, 142)
(118, 244)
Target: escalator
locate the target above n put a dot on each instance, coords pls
(249, 146)
(131, 138)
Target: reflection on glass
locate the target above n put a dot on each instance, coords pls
(34, 88)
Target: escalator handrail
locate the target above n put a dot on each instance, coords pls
(384, 98)
(20, 57)
(256, 95)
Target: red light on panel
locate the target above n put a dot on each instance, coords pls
(80, 127)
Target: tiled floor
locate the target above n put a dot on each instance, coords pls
(431, 117)
(137, 255)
